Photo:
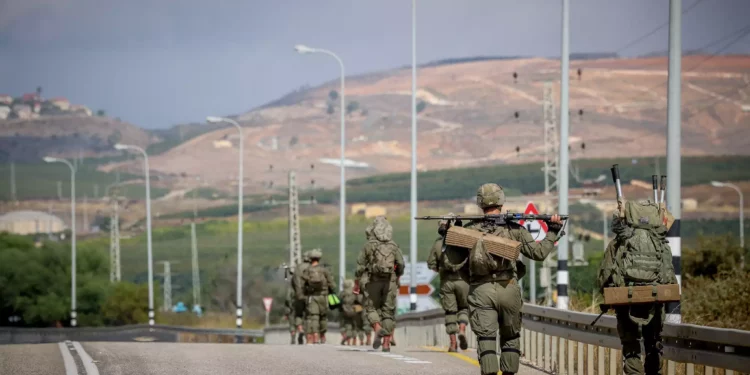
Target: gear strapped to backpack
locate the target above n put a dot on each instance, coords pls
(315, 278)
(384, 258)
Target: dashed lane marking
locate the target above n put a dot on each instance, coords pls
(395, 356)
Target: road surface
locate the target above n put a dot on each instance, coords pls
(118, 358)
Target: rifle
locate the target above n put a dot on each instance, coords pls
(616, 179)
(498, 219)
(604, 309)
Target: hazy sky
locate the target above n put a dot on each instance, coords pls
(160, 62)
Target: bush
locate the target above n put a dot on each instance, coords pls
(711, 256)
(721, 301)
(125, 304)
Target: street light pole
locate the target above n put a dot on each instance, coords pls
(149, 251)
(240, 190)
(413, 228)
(742, 216)
(342, 190)
(562, 175)
(73, 314)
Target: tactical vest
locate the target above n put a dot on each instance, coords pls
(315, 278)
(482, 265)
(383, 261)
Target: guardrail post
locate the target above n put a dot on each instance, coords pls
(579, 366)
(708, 370)
(547, 356)
(553, 357)
(561, 357)
(600, 360)
(690, 369)
(539, 349)
(670, 368)
(613, 361)
(570, 357)
(590, 359)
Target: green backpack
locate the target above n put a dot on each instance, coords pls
(384, 258)
(315, 278)
(642, 255)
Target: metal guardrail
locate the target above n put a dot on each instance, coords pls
(158, 332)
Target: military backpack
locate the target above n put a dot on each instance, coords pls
(315, 278)
(384, 258)
(642, 255)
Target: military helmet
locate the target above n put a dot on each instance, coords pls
(316, 254)
(306, 257)
(490, 195)
(348, 283)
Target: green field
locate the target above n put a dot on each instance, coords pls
(39, 181)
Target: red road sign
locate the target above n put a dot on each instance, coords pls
(538, 228)
(422, 289)
(267, 301)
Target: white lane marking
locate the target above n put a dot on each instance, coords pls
(418, 362)
(68, 361)
(397, 357)
(88, 362)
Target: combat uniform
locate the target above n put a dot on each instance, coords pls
(494, 294)
(382, 283)
(289, 312)
(346, 322)
(300, 305)
(453, 267)
(316, 283)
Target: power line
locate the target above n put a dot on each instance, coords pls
(654, 31)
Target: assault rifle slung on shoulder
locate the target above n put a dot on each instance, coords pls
(496, 219)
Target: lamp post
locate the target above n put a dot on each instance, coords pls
(302, 49)
(217, 120)
(73, 314)
(150, 260)
(742, 216)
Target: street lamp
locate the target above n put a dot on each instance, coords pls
(302, 49)
(217, 120)
(123, 147)
(742, 216)
(73, 314)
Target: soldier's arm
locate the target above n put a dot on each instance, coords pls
(299, 284)
(331, 283)
(361, 262)
(535, 250)
(605, 268)
(432, 260)
(400, 264)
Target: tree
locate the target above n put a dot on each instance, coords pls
(124, 305)
(330, 109)
(711, 256)
(293, 141)
(421, 106)
(351, 107)
(101, 113)
(333, 95)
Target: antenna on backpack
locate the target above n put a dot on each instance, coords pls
(663, 187)
(655, 183)
(616, 179)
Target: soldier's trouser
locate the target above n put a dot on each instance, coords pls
(300, 307)
(292, 323)
(381, 303)
(366, 325)
(347, 326)
(496, 306)
(317, 314)
(630, 334)
(454, 296)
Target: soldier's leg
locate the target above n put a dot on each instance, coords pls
(510, 303)
(323, 308)
(652, 342)
(631, 348)
(373, 301)
(462, 294)
(484, 324)
(450, 306)
(388, 312)
(313, 313)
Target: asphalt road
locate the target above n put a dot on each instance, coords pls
(112, 358)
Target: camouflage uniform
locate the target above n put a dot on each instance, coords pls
(453, 267)
(300, 304)
(494, 295)
(317, 298)
(289, 312)
(382, 287)
(346, 322)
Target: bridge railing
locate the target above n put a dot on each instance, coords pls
(564, 342)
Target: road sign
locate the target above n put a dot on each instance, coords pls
(422, 290)
(267, 301)
(424, 274)
(424, 303)
(537, 228)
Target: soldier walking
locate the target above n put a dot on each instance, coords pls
(316, 283)
(300, 305)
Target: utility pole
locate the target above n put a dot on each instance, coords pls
(674, 179)
(59, 190)
(167, 286)
(85, 214)
(562, 182)
(114, 238)
(196, 270)
(295, 246)
(13, 197)
(413, 221)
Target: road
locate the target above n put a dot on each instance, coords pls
(121, 358)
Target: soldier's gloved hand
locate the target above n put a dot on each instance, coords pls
(604, 308)
(444, 225)
(555, 224)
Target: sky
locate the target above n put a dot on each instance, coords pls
(157, 63)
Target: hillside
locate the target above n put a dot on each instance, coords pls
(28, 140)
(468, 119)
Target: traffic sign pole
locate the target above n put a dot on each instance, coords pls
(538, 230)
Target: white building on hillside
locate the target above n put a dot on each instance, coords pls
(30, 222)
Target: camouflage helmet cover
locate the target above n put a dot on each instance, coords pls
(316, 254)
(490, 195)
(306, 257)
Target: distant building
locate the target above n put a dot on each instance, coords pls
(358, 208)
(30, 222)
(22, 111)
(80, 109)
(30, 98)
(6, 100)
(4, 112)
(61, 103)
(375, 211)
(222, 144)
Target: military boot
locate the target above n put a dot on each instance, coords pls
(322, 338)
(349, 341)
(393, 339)
(309, 339)
(343, 340)
(452, 345)
(300, 338)
(315, 338)
(376, 327)
(386, 343)
(463, 342)
(294, 335)
(369, 339)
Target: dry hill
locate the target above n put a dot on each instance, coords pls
(468, 119)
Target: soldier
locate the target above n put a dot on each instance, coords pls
(316, 283)
(347, 324)
(453, 267)
(638, 321)
(494, 295)
(289, 313)
(300, 305)
(383, 263)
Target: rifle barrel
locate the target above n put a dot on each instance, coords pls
(508, 216)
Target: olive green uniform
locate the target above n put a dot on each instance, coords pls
(453, 267)
(300, 303)
(346, 323)
(317, 300)
(381, 289)
(633, 324)
(289, 310)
